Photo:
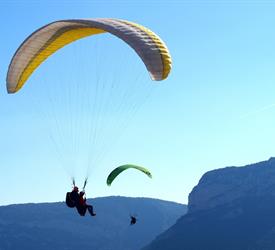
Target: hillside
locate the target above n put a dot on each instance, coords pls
(230, 209)
(54, 226)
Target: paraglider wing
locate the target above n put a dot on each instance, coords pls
(120, 169)
(47, 40)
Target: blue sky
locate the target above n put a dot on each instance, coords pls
(216, 109)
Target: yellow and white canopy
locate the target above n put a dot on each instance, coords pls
(45, 41)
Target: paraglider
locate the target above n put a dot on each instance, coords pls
(122, 168)
(47, 40)
(117, 171)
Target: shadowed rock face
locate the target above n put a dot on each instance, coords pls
(223, 186)
(230, 209)
(53, 226)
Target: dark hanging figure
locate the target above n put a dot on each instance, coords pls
(133, 220)
(82, 206)
(72, 198)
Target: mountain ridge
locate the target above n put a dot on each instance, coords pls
(52, 225)
(231, 208)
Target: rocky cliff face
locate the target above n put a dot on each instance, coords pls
(230, 209)
(224, 186)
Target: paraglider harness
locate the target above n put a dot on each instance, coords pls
(72, 199)
(69, 201)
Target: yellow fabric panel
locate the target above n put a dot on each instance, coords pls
(62, 40)
(164, 52)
